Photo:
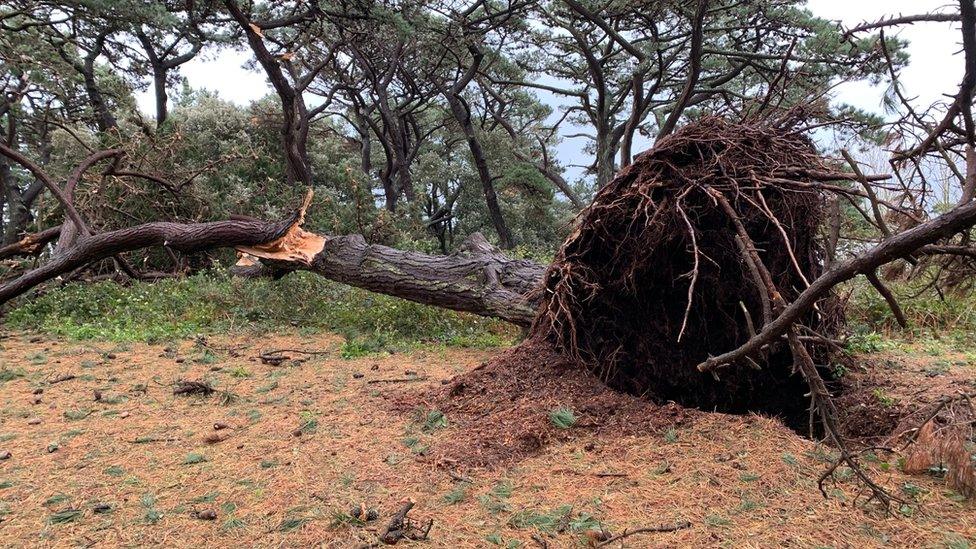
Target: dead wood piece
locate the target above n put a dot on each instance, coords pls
(185, 387)
(399, 379)
(648, 530)
(276, 357)
(273, 359)
(31, 244)
(401, 527)
(62, 378)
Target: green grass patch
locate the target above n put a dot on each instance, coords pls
(562, 418)
(65, 516)
(433, 420)
(458, 494)
(194, 458)
(214, 303)
(292, 523)
(7, 374)
(561, 518)
(114, 471)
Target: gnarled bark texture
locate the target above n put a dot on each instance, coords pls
(477, 278)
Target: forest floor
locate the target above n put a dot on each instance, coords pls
(111, 457)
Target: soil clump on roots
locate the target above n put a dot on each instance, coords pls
(652, 282)
(656, 277)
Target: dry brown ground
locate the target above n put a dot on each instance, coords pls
(742, 481)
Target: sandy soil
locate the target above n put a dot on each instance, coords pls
(111, 457)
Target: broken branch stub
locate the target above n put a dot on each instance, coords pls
(296, 245)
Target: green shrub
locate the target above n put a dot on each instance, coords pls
(944, 314)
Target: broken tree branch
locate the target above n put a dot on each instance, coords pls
(896, 247)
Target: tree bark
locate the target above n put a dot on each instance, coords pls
(31, 244)
(18, 214)
(476, 279)
(182, 237)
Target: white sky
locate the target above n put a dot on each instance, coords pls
(934, 69)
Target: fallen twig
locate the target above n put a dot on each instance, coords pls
(59, 379)
(400, 526)
(399, 380)
(651, 529)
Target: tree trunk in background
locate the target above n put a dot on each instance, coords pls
(294, 128)
(606, 155)
(162, 99)
(18, 213)
(463, 116)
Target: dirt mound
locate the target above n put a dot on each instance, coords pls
(503, 408)
(658, 274)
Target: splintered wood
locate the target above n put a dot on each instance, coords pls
(296, 245)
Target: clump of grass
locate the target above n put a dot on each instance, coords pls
(562, 417)
(7, 374)
(292, 523)
(717, 521)
(194, 458)
(458, 494)
(671, 435)
(151, 515)
(494, 500)
(65, 516)
(415, 445)
(307, 422)
(433, 420)
(341, 517)
(561, 518)
(503, 489)
(77, 415)
(884, 399)
(206, 498)
(56, 499)
(267, 388)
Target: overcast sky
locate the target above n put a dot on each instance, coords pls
(935, 68)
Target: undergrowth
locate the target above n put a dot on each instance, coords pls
(938, 320)
(211, 303)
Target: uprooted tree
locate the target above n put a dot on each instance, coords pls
(698, 274)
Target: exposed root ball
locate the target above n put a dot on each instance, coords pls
(655, 278)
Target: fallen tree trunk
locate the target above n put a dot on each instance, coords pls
(477, 278)
(184, 237)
